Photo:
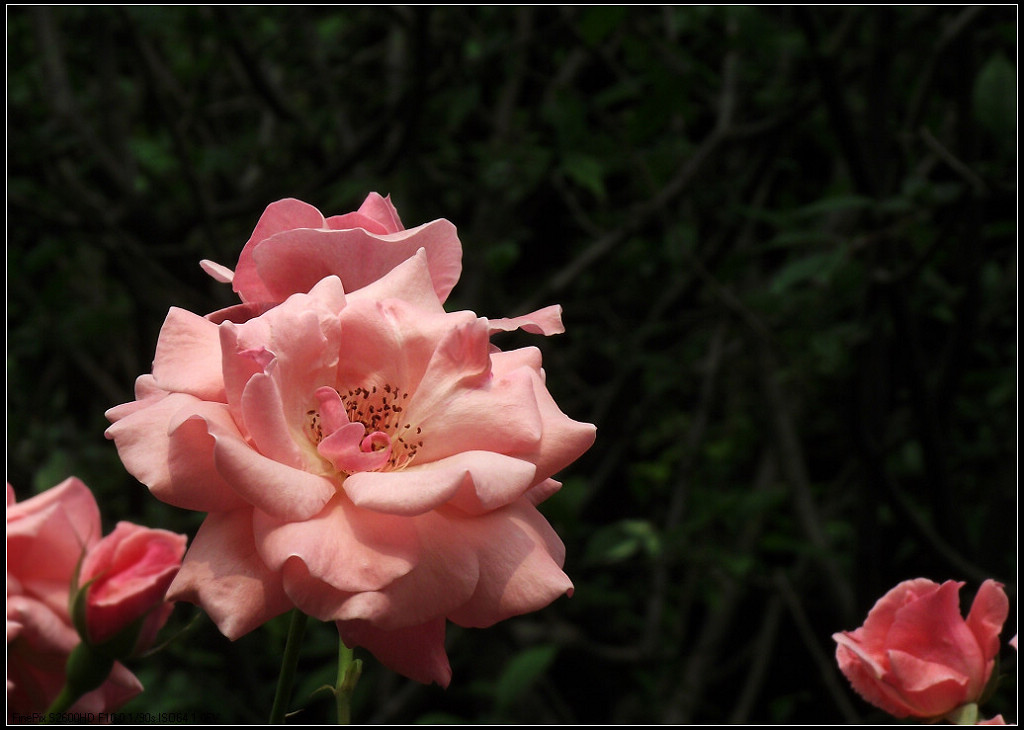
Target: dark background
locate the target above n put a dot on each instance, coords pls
(784, 239)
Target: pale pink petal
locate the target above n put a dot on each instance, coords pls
(919, 622)
(564, 440)
(376, 215)
(188, 358)
(542, 491)
(345, 547)
(294, 260)
(408, 281)
(383, 211)
(224, 573)
(275, 488)
(546, 321)
(416, 652)
(987, 616)
(240, 313)
(172, 454)
(504, 362)
(873, 634)
(46, 537)
(865, 675)
(219, 272)
(344, 449)
(389, 342)
(302, 335)
(460, 407)
(931, 688)
(521, 560)
(474, 481)
(263, 411)
(355, 220)
(284, 215)
(997, 720)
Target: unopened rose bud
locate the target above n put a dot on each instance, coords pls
(123, 580)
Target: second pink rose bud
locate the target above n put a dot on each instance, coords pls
(125, 578)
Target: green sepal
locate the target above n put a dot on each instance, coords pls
(77, 607)
(964, 715)
(87, 669)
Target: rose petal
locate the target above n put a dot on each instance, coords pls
(188, 358)
(937, 614)
(521, 560)
(284, 215)
(564, 440)
(546, 321)
(987, 616)
(345, 547)
(931, 688)
(409, 281)
(172, 454)
(223, 573)
(866, 676)
(294, 260)
(416, 652)
(129, 572)
(459, 399)
(220, 273)
(474, 481)
(47, 536)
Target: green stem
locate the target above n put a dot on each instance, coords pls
(349, 670)
(85, 670)
(288, 665)
(65, 699)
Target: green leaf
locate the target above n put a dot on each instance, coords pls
(818, 266)
(586, 171)
(995, 96)
(522, 672)
(597, 23)
(622, 540)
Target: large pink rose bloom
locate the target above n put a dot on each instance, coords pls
(915, 655)
(46, 537)
(367, 458)
(294, 246)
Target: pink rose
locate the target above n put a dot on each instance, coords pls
(365, 457)
(127, 574)
(916, 656)
(293, 247)
(46, 537)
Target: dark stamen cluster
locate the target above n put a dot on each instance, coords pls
(381, 409)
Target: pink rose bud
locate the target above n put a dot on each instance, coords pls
(915, 655)
(46, 537)
(125, 578)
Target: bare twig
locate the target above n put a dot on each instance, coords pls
(65, 105)
(793, 464)
(955, 163)
(644, 212)
(826, 667)
(760, 659)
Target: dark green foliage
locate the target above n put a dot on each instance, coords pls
(784, 239)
